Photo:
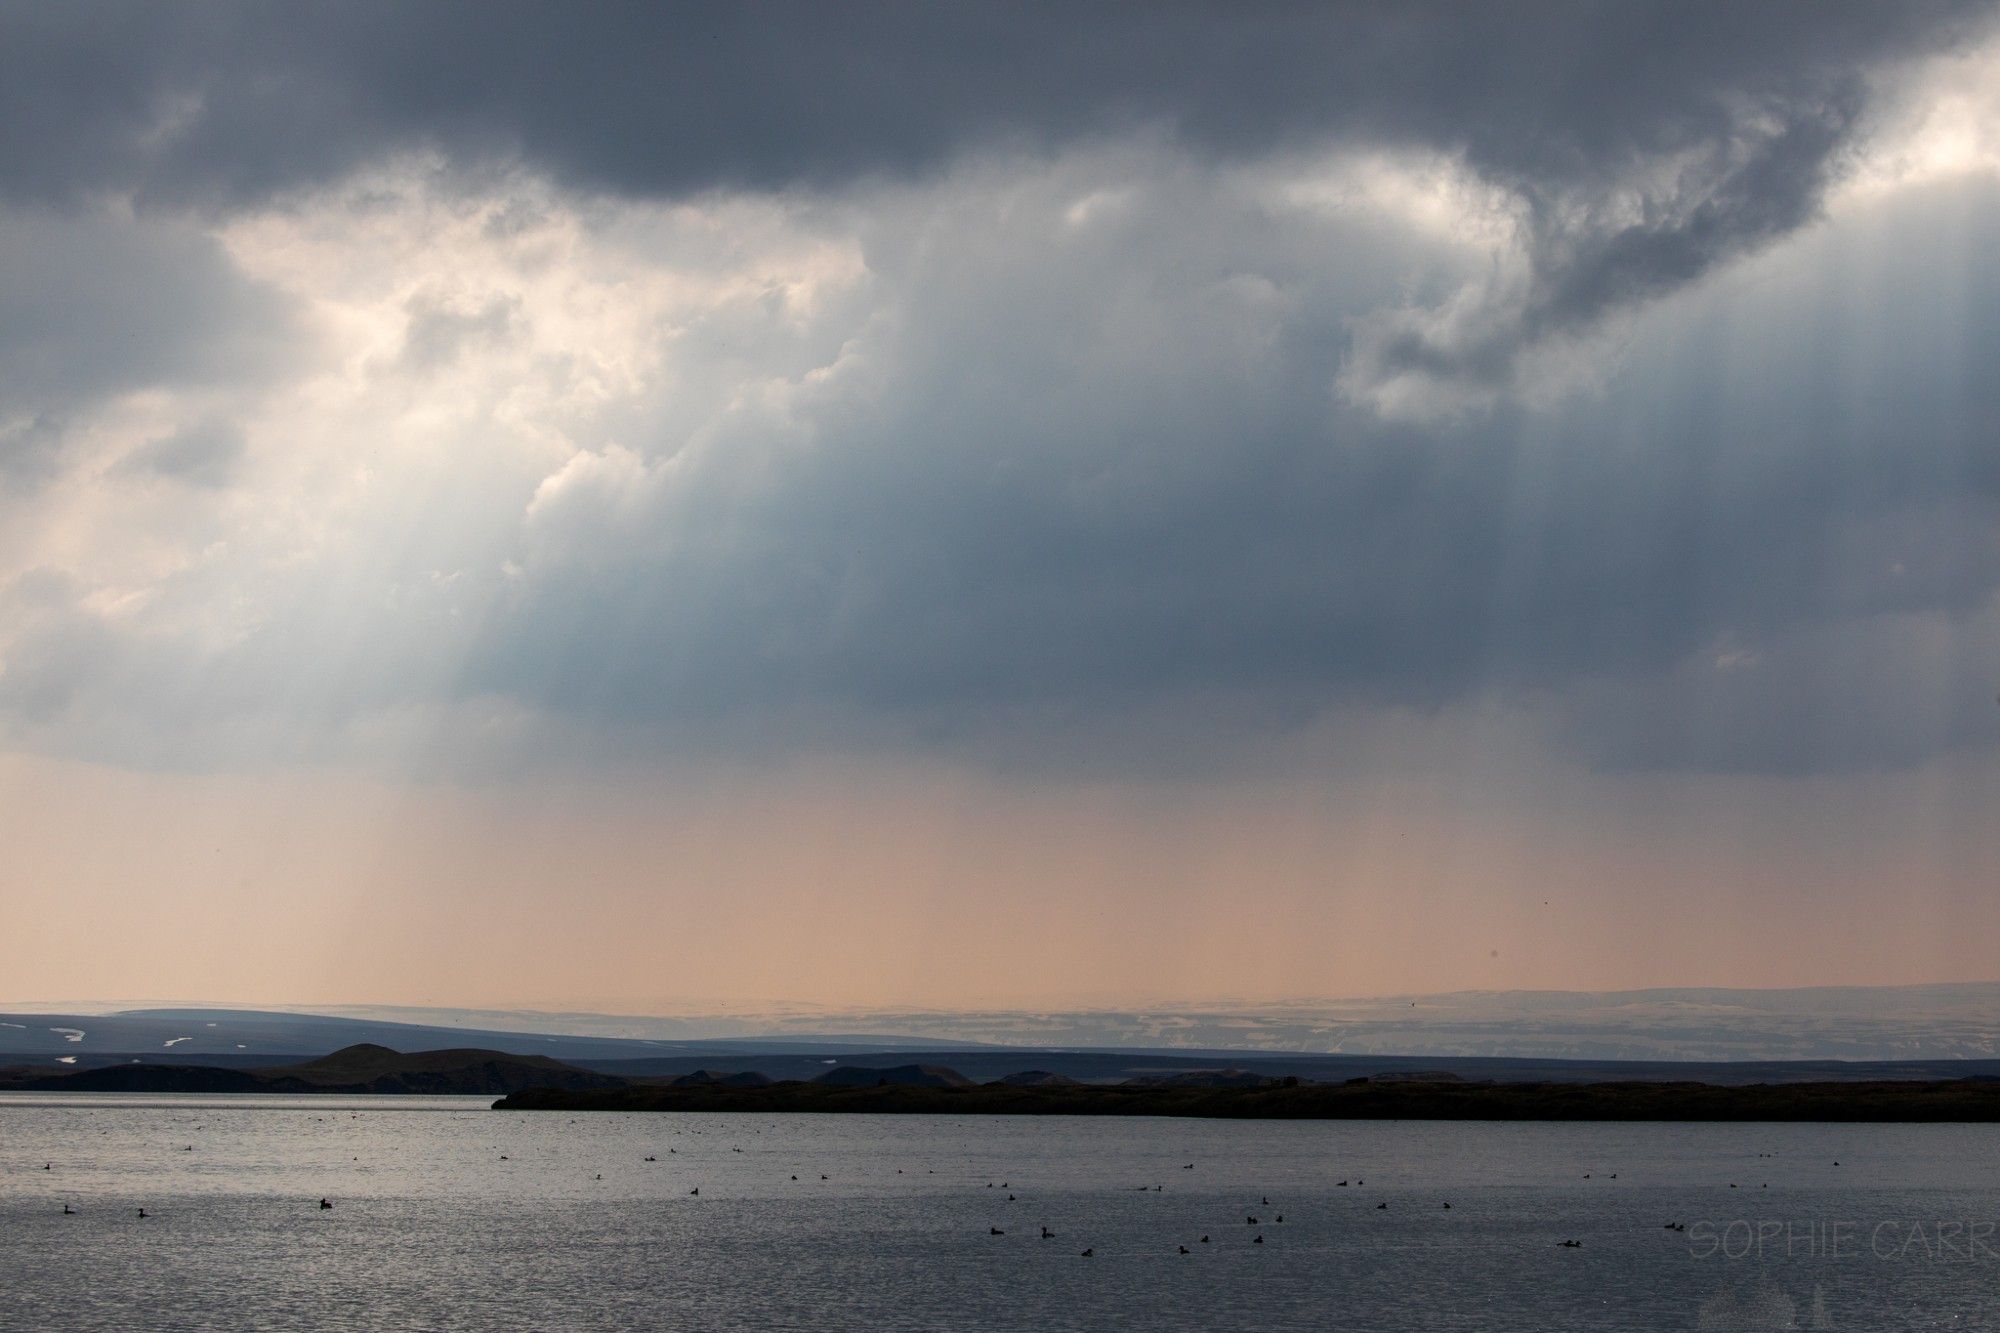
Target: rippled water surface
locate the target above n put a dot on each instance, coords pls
(448, 1215)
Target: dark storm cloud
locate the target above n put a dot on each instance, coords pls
(1722, 119)
(237, 99)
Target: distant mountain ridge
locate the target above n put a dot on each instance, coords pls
(251, 1037)
(1957, 1021)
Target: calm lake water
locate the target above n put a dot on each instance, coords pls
(448, 1215)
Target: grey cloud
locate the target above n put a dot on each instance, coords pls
(1604, 247)
(54, 651)
(203, 454)
(1881, 692)
(1739, 194)
(439, 327)
(30, 447)
(93, 304)
(1022, 511)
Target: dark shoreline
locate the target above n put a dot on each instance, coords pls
(1954, 1101)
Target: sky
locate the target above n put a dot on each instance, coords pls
(669, 508)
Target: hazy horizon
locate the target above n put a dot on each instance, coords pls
(782, 1007)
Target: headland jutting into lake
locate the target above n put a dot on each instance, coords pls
(1957, 1100)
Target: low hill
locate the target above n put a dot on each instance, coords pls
(354, 1069)
(896, 1076)
(1211, 1078)
(145, 1078)
(749, 1078)
(371, 1068)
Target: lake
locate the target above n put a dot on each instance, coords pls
(448, 1215)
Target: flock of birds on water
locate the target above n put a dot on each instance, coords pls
(1088, 1252)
